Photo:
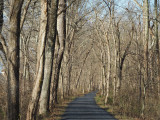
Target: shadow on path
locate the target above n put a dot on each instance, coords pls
(85, 108)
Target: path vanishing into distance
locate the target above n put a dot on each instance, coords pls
(85, 108)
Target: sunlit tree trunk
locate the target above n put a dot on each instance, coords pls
(118, 57)
(13, 60)
(145, 41)
(157, 41)
(61, 28)
(1, 14)
(33, 104)
(112, 20)
(49, 54)
(108, 69)
(1, 24)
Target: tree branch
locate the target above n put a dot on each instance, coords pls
(66, 7)
(125, 54)
(3, 45)
(24, 14)
(138, 4)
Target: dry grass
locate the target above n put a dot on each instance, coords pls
(109, 108)
(59, 109)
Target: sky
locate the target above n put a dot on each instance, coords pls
(124, 3)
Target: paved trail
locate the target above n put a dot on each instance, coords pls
(85, 108)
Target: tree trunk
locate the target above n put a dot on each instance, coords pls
(145, 41)
(1, 25)
(13, 60)
(66, 67)
(61, 86)
(61, 28)
(118, 57)
(1, 14)
(49, 54)
(146, 37)
(33, 104)
(157, 42)
(26, 75)
(109, 69)
(112, 20)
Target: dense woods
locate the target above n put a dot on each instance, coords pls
(53, 49)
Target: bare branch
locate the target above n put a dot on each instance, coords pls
(83, 65)
(138, 4)
(3, 45)
(24, 14)
(125, 54)
(66, 7)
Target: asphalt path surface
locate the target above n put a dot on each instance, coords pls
(85, 108)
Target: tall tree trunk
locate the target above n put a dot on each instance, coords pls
(1, 25)
(118, 57)
(109, 69)
(49, 54)
(157, 42)
(112, 20)
(26, 74)
(61, 28)
(1, 14)
(66, 66)
(61, 86)
(33, 104)
(145, 41)
(146, 36)
(13, 60)
(138, 51)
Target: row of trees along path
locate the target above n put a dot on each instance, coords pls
(54, 49)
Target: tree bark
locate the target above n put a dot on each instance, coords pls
(157, 42)
(24, 14)
(61, 28)
(13, 60)
(3, 46)
(146, 37)
(1, 14)
(108, 69)
(145, 9)
(49, 54)
(112, 17)
(33, 104)
(145, 41)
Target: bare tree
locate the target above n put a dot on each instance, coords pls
(13, 59)
(1, 14)
(61, 28)
(33, 105)
(146, 39)
(49, 54)
(157, 41)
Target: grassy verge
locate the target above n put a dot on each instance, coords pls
(110, 108)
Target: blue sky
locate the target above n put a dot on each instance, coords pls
(123, 3)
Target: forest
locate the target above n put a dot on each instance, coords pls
(51, 50)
